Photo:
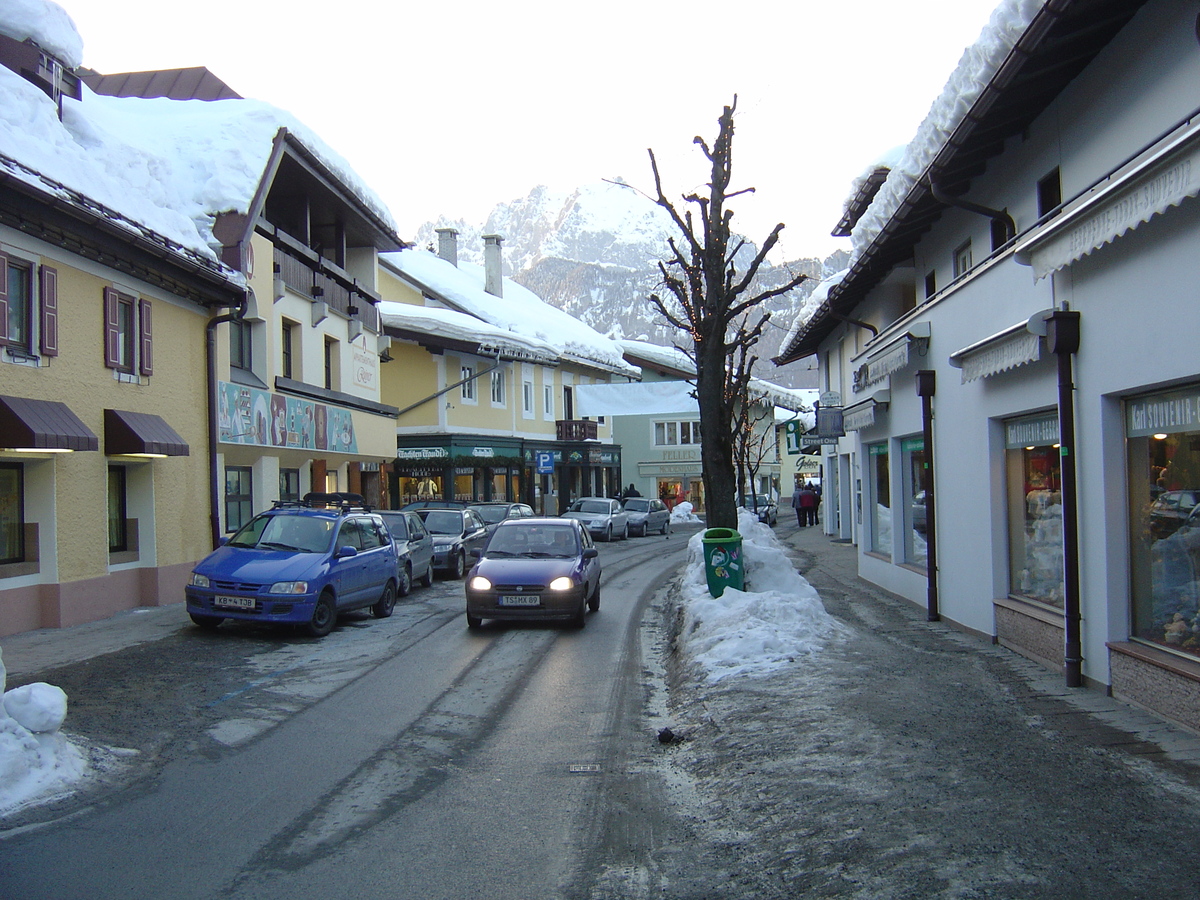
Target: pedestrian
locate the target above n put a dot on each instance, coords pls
(796, 505)
(632, 491)
(808, 505)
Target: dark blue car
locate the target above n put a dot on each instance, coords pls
(535, 569)
(297, 565)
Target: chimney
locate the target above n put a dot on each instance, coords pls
(493, 276)
(448, 245)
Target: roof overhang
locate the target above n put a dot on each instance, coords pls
(140, 434)
(42, 425)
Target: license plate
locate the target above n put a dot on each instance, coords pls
(234, 602)
(520, 600)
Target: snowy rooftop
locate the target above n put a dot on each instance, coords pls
(167, 165)
(520, 312)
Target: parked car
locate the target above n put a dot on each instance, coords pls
(601, 516)
(294, 564)
(493, 512)
(647, 514)
(1170, 511)
(538, 568)
(764, 507)
(414, 549)
(455, 532)
(436, 504)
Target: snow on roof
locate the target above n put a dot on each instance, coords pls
(47, 25)
(168, 165)
(462, 326)
(811, 304)
(657, 354)
(519, 312)
(975, 69)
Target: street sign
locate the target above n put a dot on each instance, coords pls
(791, 433)
(544, 462)
(831, 398)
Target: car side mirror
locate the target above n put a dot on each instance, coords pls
(591, 553)
(346, 552)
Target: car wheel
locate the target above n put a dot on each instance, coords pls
(608, 534)
(427, 578)
(459, 566)
(580, 618)
(404, 586)
(625, 533)
(206, 622)
(666, 529)
(386, 603)
(324, 616)
(474, 622)
(594, 600)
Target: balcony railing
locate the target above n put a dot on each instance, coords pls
(317, 280)
(576, 430)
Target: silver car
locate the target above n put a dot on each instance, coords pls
(646, 514)
(414, 548)
(602, 517)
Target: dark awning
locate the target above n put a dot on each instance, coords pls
(42, 425)
(133, 432)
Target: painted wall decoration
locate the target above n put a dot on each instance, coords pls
(247, 415)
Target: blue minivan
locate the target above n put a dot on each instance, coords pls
(297, 565)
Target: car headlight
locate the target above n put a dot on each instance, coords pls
(199, 580)
(479, 583)
(289, 587)
(562, 583)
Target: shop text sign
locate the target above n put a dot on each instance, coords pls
(1168, 413)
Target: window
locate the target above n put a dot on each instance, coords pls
(1035, 512)
(289, 484)
(498, 387)
(118, 513)
(241, 354)
(999, 233)
(668, 434)
(962, 259)
(881, 519)
(128, 334)
(467, 373)
(916, 551)
(1049, 192)
(548, 401)
(18, 321)
(527, 398)
(12, 513)
(332, 370)
(568, 402)
(287, 352)
(930, 283)
(238, 499)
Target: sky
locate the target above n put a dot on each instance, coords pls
(448, 109)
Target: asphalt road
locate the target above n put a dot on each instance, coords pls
(406, 757)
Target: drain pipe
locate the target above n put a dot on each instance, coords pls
(1062, 337)
(926, 385)
(210, 358)
(1010, 227)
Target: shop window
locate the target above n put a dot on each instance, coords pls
(289, 484)
(239, 500)
(881, 503)
(12, 513)
(912, 453)
(1035, 510)
(118, 510)
(1163, 445)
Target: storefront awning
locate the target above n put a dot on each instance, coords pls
(862, 415)
(1012, 347)
(140, 434)
(1162, 177)
(893, 355)
(27, 424)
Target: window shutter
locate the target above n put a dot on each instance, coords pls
(144, 319)
(3, 297)
(49, 298)
(112, 334)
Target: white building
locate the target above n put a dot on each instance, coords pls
(1049, 195)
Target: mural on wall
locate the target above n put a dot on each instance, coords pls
(250, 416)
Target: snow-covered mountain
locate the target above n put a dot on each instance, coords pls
(593, 252)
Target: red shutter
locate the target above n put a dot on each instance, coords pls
(3, 297)
(146, 364)
(49, 298)
(112, 334)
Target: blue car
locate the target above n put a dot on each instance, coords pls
(535, 569)
(299, 566)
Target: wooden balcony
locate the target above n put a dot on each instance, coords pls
(576, 430)
(318, 278)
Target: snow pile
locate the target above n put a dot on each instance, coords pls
(35, 760)
(46, 24)
(682, 514)
(759, 630)
(978, 65)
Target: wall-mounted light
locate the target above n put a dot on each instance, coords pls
(1160, 437)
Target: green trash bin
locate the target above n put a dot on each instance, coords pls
(723, 563)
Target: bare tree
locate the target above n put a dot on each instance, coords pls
(708, 294)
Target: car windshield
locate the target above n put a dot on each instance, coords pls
(294, 534)
(758, 500)
(636, 505)
(601, 507)
(444, 521)
(397, 526)
(491, 514)
(536, 542)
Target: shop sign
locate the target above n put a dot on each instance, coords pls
(1031, 431)
(1169, 413)
(484, 452)
(365, 367)
(369, 467)
(912, 445)
(422, 453)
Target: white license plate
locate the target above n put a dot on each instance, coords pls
(234, 602)
(520, 600)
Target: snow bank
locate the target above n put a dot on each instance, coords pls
(759, 630)
(681, 514)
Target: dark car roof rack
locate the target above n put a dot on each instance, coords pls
(340, 500)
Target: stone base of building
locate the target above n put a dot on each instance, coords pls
(1156, 680)
(1031, 631)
